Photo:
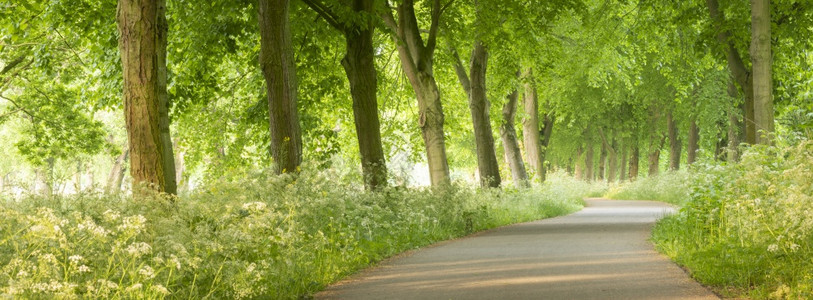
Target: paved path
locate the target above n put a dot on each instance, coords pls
(601, 252)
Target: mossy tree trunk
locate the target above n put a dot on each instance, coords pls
(279, 71)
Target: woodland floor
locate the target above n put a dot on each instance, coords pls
(601, 252)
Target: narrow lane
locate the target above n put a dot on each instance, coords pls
(601, 252)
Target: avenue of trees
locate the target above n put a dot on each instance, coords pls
(500, 91)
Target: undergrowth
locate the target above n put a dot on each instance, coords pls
(748, 229)
(670, 187)
(265, 237)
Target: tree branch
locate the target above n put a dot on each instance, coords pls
(460, 70)
(325, 12)
(431, 41)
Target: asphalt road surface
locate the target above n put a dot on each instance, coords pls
(601, 252)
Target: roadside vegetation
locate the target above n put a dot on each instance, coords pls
(277, 237)
(744, 229)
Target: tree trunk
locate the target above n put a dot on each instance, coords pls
(530, 126)
(737, 68)
(509, 141)
(694, 136)
(279, 70)
(359, 64)
(589, 162)
(170, 183)
(612, 162)
(602, 162)
(762, 62)
(735, 126)
(674, 143)
(623, 172)
(655, 156)
(417, 63)
(635, 157)
(138, 45)
(478, 104)
(579, 166)
(119, 167)
(546, 132)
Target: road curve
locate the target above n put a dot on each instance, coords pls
(600, 252)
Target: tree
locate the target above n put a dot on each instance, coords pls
(139, 47)
(762, 64)
(417, 62)
(277, 64)
(359, 65)
(508, 133)
(170, 184)
(530, 126)
(737, 67)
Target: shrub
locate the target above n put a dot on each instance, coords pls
(748, 229)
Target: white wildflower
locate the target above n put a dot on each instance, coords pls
(139, 249)
(254, 206)
(773, 248)
(84, 269)
(111, 215)
(22, 273)
(48, 258)
(147, 272)
(76, 259)
(107, 284)
(134, 287)
(91, 227)
(135, 223)
(160, 289)
(794, 247)
(173, 260)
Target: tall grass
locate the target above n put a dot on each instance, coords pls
(278, 237)
(748, 229)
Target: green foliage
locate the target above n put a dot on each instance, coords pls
(263, 236)
(747, 229)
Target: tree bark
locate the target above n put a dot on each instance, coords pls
(579, 167)
(694, 137)
(675, 145)
(602, 162)
(509, 141)
(480, 108)
(655, 156)
(635, 157)
(475, 87)
(359, 64)
(170, 183)
(737, 68)
(279, 71)
(762, 61)
(530, 126)
(138, 45)
(589, 162)
(417, 62)
(623, 172)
